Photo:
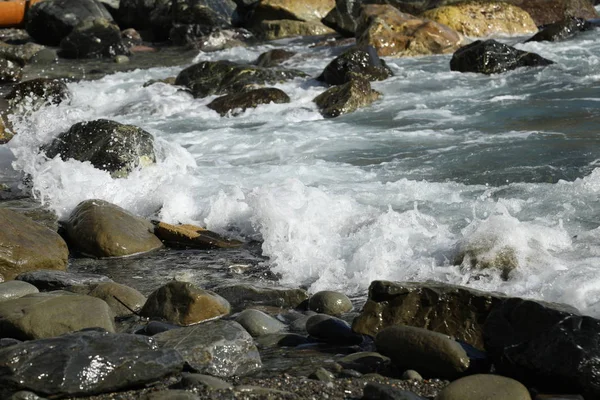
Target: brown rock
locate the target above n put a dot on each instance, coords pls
(192, 236)
(273, 58)
(306, 10)
(121, 299)
(484, 387)
(283, 28)
(546, 12)
(394, 33)
(346, 98)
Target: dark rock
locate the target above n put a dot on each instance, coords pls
(200, 381)
(22, 53)
(100, 229)
(27, 246)
(561, 30)
(190, 236)
(453, 310)
(131, 37)
(525, 338)
(153, 18)
(241, 296)
(346, 98)
(220, 39)
(171, 395)
(10, 71)
(207, 15)
(330, 302)
(492, 57)
(558, 397)
(219, 348)
(93, 38)
(257, 323)
(411, 375)
(365, 362)
(84, 363)
(331, 330)
(484, 386)
(344, 17)
(259, 392)
(34, 94)
(25, 395)
(273, 58)
(15, 289)
(46, 280)
(154, 327)
(237, 103)
(321, 374)
(108, 145)
(280, 340)
(380, 391)
(49, 21)
(5, 342)
(361, 61)
(223, 77)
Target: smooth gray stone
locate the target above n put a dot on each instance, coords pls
(298, 324)
(330, 302)
(5, 342)
(201, 381)
(350, 373)
(46, 280)
(331, 330)
(321, 374)
(484, 387)
(15, 289)
(258, 323)
(380, 391)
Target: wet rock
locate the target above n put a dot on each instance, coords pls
(5, 342)
(492, 57)
(558, 397)
(184, 304)
(34, 94)
(330, 302)
(346, 98)
(381, 391)
(453, 310)
(257, 323)
(524, 338)
(5, 133)
(321, 374)
(201, 381)
(191, 236)
(25, 395)
(481, 19)
(561, 30)
(154, 327)
(241, 296)
(100, 229)
(546, 12)
(123, 300)
(273, 58)
(131, 37)
(10, 71)
(344, 17)
(331, 330)
(93, 38)
(237, 103)
(121, 59)
(431, 353)
(107, 145)
(365, 362)
(21, 53)
(15, 289)
(46, 280)
(397, 34)
(308, 10)
(49, 21)
(85, 363)
(205, 15)
(355, 61)
(220, 39)
(167, 81)
(250, 391)
(280, 340)
(27, 246)
(171, 395)
(34, 210)
(285, 28)
(298, 323)
(44, 315)
(484, 387)
(219, 348)
(411, 375)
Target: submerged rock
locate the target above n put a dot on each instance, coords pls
(10, 71)
(85, 363)
(237, 103)
(492, 57)
(46, 280)
(191, 236)
(561, 30)
(484, 386)
(346, 98)
(273, 58)
(93, 38)
(355, 61)
(241, 296)
(107, 145)
(21, 53)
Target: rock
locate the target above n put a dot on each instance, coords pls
(44, 315)
(219, 348)
(331, 330)
(431, 353)
(25, 395)
(558, 397)
(123, 300)
(546, 12)
(346, 98)
(5, 133)
(343, 18)
(381, 391)
(15, 289)
(299, 324)
(49, 21)
(285, 28)
(397, 34)
(307, 10)
(5, 342)
(27, 246)
(200, 381)
(154, 327)
(93, 38)
(257, 323)
(153, 18)
(411, 375)
(321, 374)
(121, 59)
(171, 395)
(259, 392)
(131, 37)
(107, 145)
(355, 61)
(241, 296)
(561, 30)
(365, 362)
(524, 338)
(220, 39)
(222, 77)
(481, 19)
(10, 71)
(46, 280)
(271, 340)
(191, 236)
(34, 94)
(484, 387)
(205, 15)
(273, 58)
(453, 310)
(184, 304)
(85, 363)
(100, 229)
(492, 57)
(237, 103)
(330, 302)
(22, 53)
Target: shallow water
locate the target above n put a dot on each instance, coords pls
(392, 191)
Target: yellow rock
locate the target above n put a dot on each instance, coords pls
(305, 10)
(192, 236)
(279, 29)
(479, 19)
(394, 33)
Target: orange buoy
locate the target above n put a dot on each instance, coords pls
(12, 12)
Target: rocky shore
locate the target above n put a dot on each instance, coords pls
(82, 318)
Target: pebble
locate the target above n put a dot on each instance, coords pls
(258, 323)
(330, 303)
(484, 387)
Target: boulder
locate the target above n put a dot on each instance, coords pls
(107, 145)
(355, 61)
(479, 19)
(236, 103)
(241, 296)
(27, 246)
(285, 28)
(331, 330)
(397, 34)
(344, 17)
(561, 30)
(257, 323)
(205, 15)
(15, 289)
(33, 94)
(191, 236)
(484, 387)
(98, 228)
(330, 303)
(492, 57)
(222, 77)
(10, 71)
(184, 304)
(49, 21)
(546, 12)
(273, 58)
(431, 353)
(525, 339)
(346, 98)
(85, 363)
(453, 310)
(219, 348)
(46, 280)
(152, 18)
(122, 299)
(93, 38)
(44, 315)
(307, 10)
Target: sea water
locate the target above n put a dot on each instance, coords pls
(441, 162)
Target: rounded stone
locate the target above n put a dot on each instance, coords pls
(331, 330)
(123, 300)
(411, 375)
(484, 387)
(15, 289)
(329, 302)
(258, 323)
